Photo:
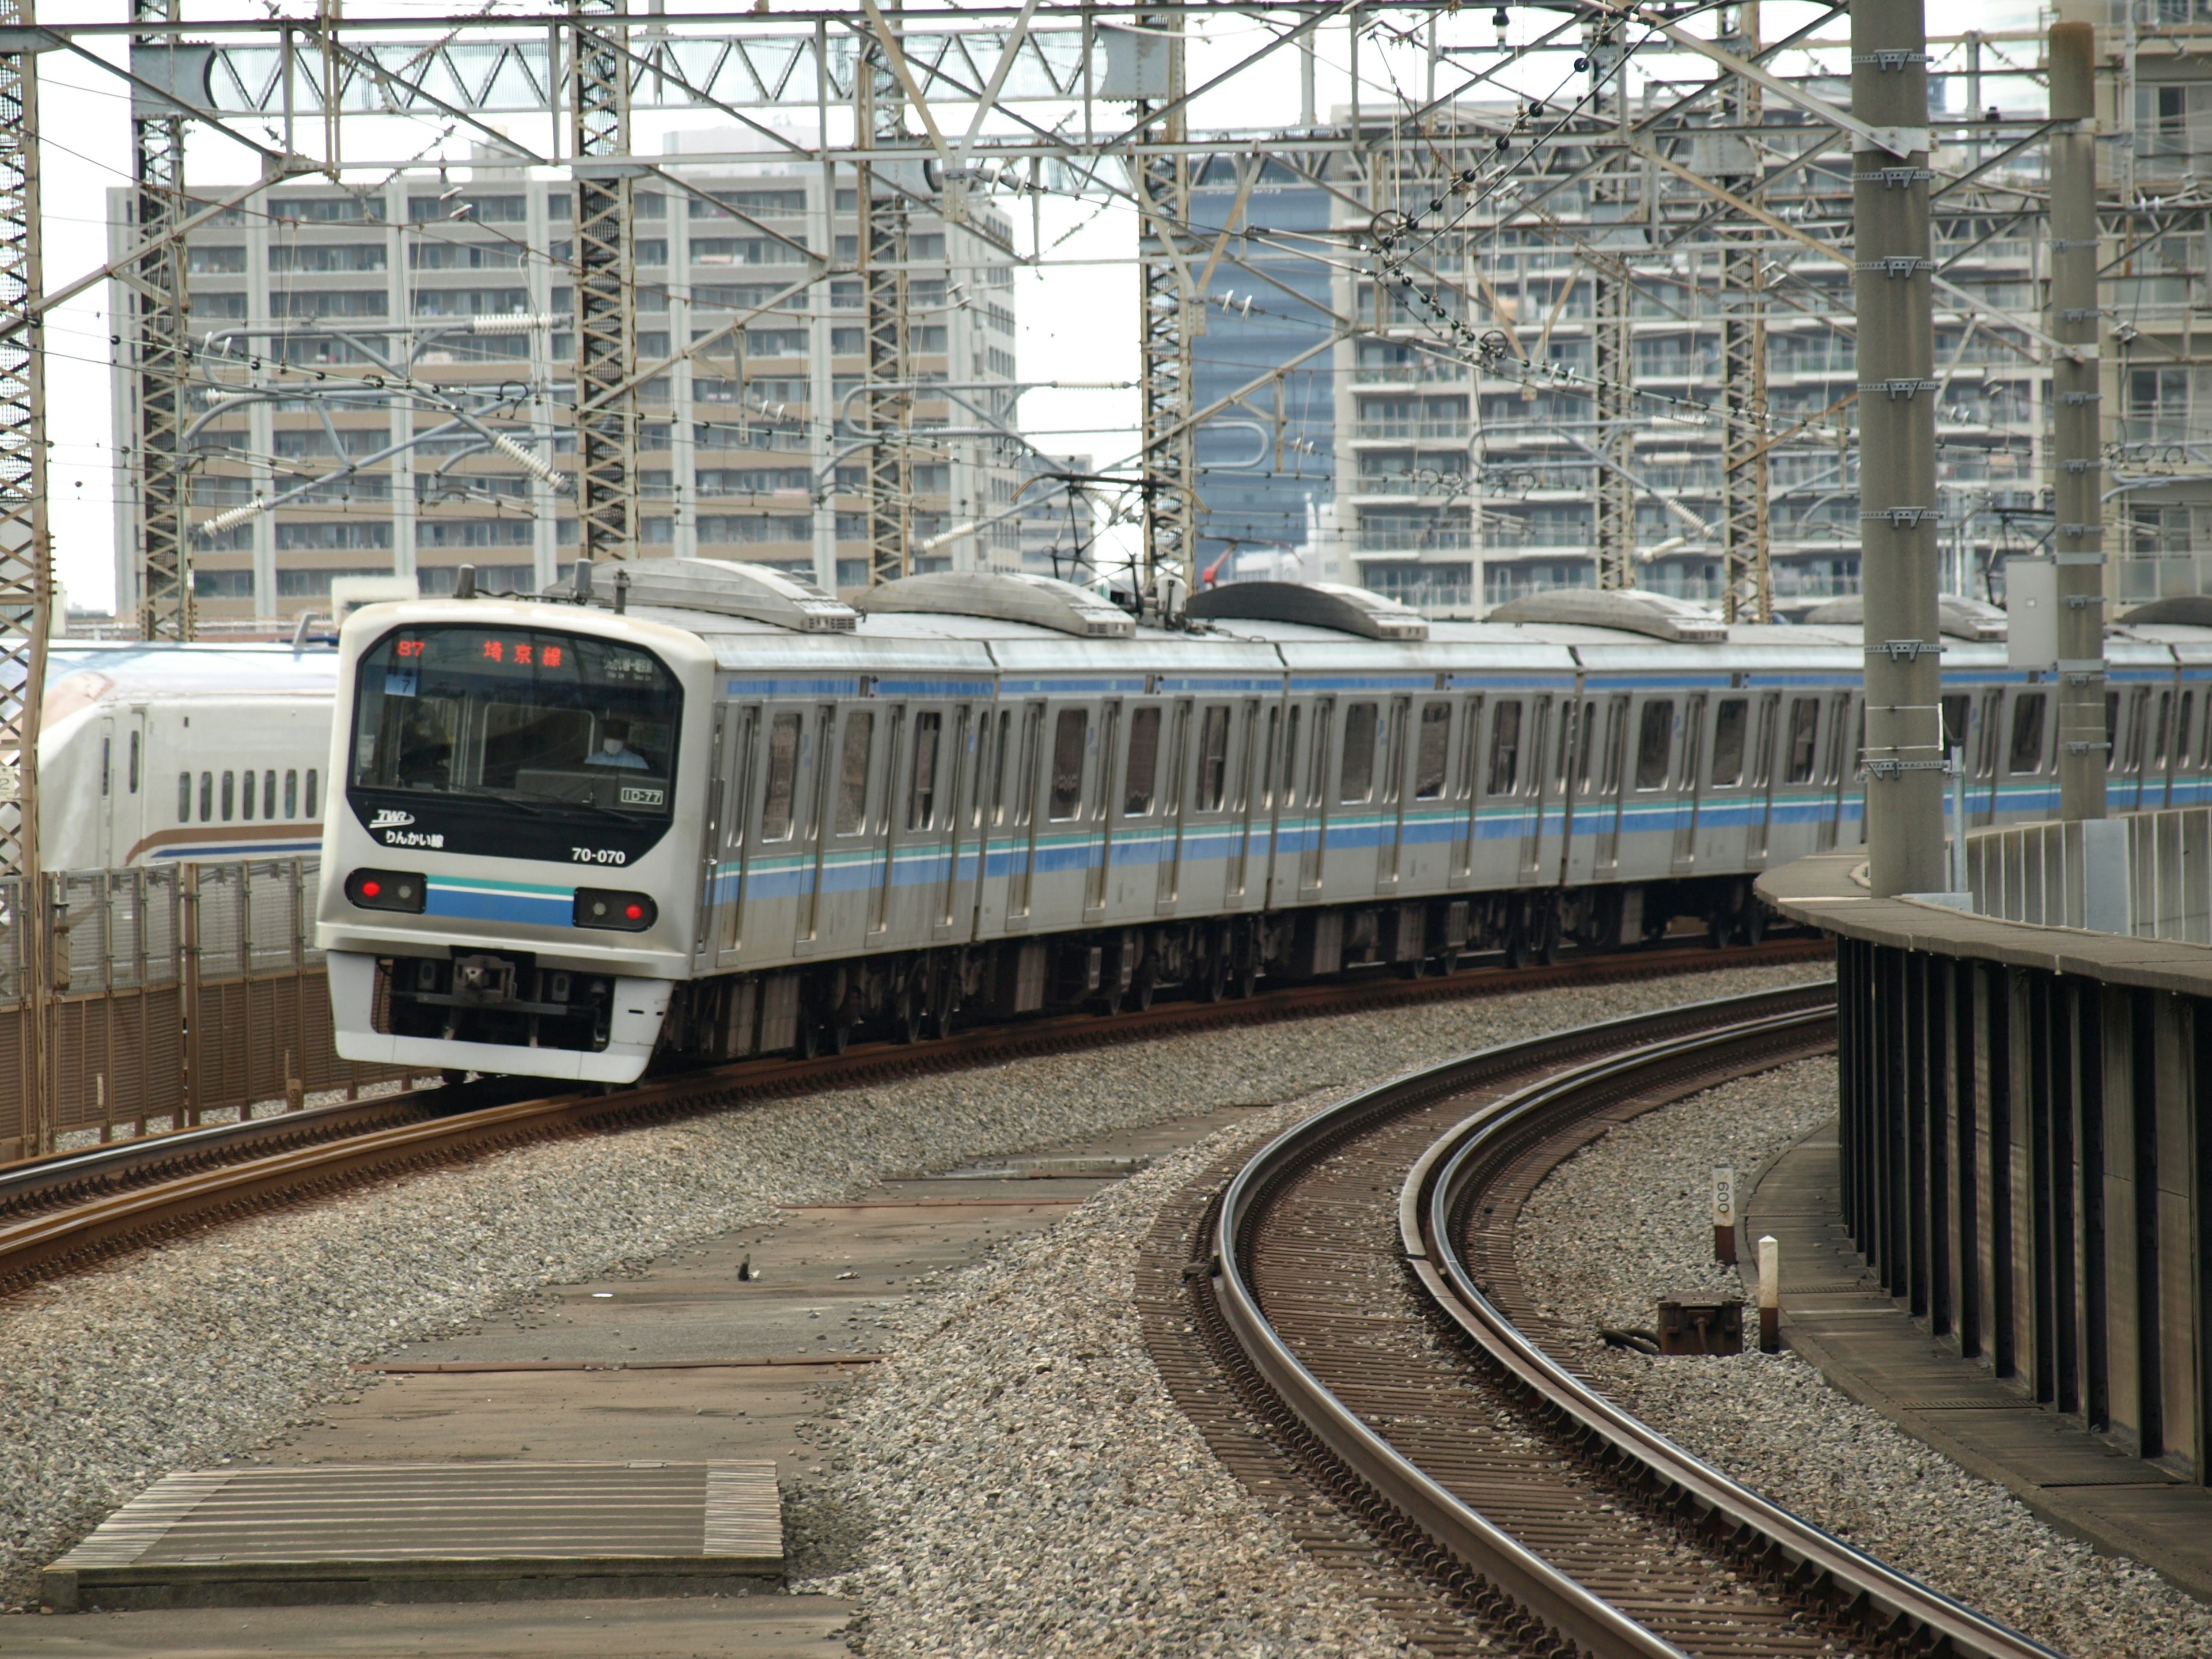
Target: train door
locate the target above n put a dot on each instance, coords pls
(134, 818)
(924, 824)
(1577, 774)
(1989, 727)
(2158, 766)
(1689, 783)
(1467, 794)
(740, 738)
(1760, 818)
(1003, 901)
(1101, 814)
(1532, 819)
(1172, 799)
(1605, 851)
(958, 765)
(1833, 771)
(1313, 854)
(883, 850)
(110, 805)
(1247, 796)
(847, 851)
(811, 835)
(1392, 752)
(710, 836)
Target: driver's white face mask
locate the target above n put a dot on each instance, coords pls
(612, 746)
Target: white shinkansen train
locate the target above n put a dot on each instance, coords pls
(158, 754)
(706, 811)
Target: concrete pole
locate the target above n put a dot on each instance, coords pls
(1898, 533)
(2076, 467)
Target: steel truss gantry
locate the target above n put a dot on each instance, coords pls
(1172, 311)
(160, 353)
(887, 399)
(1747, 574)
(26, 555)
(607, 289)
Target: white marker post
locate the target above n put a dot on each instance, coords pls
(1724, 1216)
(1770, 1295)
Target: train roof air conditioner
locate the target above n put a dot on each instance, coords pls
(1008, 596)
(1960, 618)
(723, 587)
(1318, 604)
(1632, 610)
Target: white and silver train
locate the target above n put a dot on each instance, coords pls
(706, 811)
(161, 754)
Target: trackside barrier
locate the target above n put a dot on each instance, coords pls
(178, 991)
(2147, 874)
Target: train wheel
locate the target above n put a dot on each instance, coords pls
(905, 1020)
(1141, 994)
(1754, 923)
(1213, 983)
(1548, 935)
(1717, 929)
(1248, 978)
(809, 1039)
(836, 1036)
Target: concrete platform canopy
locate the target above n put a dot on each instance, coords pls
(2025, 1151)
(402, 1531)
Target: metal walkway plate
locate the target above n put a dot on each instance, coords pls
(429, 1531)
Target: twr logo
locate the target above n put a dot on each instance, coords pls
(390, 818)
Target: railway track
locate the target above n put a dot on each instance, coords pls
(1352, 1289)
(62, 1214)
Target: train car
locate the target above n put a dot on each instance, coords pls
(705, 811)
(161, 753)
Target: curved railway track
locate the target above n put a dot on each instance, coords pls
(64, 1213)
(1354, 1286)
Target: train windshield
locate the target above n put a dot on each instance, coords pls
(531, 718)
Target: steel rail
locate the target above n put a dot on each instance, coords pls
(1437, 1194)
(61, 1214)
(1597, 1060)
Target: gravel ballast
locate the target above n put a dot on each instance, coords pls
(1628, 1220)
(208, 1349)
(1032, 1488)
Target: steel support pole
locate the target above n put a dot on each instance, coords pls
(26, 554)
(884, 246)
(606, 303)
(1898, 535)
(2076, 451)
(1171, 315)
(1748, 586)
(162, 352)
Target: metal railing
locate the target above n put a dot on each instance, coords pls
(178, 991)
(2146, 874)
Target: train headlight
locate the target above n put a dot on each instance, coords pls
(386, 890)
(602, 907)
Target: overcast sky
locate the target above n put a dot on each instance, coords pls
(1077, 311)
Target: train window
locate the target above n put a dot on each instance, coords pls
(1655, 741)
(1985, 763)
(134, 762)
(292, 794)
(1213, 758)
(1955, 721)
(2181, 718)
(2026, 734)
(921, 787)
(230, 795)
(1471, 729)
(1728, 722)
(1143, 774)
(1588, 745)
(2111, 730)
(1357, 780)
(312, 793)
(2157, 730)
(1068, 738)
(853, 772)
(1569, 715)
(1616, 735)
(1431, 750)
(1858, 750)
(1504, 748)
(246, 805)
(207, 797)
(183, 798)
(1762, 751)
(782, 778)
(269, 793)
(106, 765)
(1290, 759)
(1240, 782)
(2135, 732)
(1804, 735)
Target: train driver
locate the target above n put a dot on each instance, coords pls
(615, 749)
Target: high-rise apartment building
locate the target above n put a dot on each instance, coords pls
(357, 335)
